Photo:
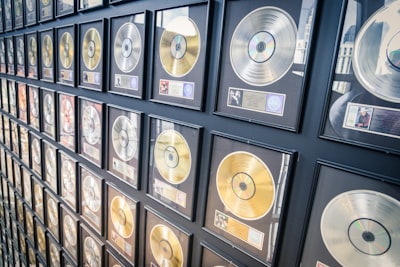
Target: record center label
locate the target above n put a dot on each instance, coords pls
(126, 82)
(257, 101)
(170, 192)
(176, 88)
(239, 230)
(120, 242)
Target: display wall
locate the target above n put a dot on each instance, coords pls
(199, 133)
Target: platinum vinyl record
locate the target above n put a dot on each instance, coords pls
(127, 47)
(91, 252)
(70, 232)
(68, 175)
(35, 104)
(52, 212)
(91, 193)
(122, 217)
(20, 51)
(36, 151)
(49, 109)
(124, 138)
(165, 246)
(67, 117)
(47, 51)
(66, 50)
(50, 162)
(180, 46)
(91, 125)
(10, 51)
(92, 48)
(245, 185)
(32, 51)
(263, 45)
(362, 228)
(376, 58)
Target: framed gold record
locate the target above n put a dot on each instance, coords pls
(91, 60)
(90, 130)
(127, 35)
(17, 176)
(32, 54)
(29, 227)
(22, 102)
(46, 10)
(68, 184)
(47, 55)
(113, 260)
(50, 169)
(24, 144)
(30, 12)
(180, 55)
(12, 98)
(174, 146)
(166, 244)
(40, 238)
(245, 196)
(122, 223)
(20, 54)
(65, 8)
(52, 214)
(18, 14)
(36, 153)
(91, 191)
(91, 248)
(70, 233)
(14, 127)
(48, 111)
(38, 198)
(7, 131)
(67, 121)
(34, 106)
(89, 4)
(22, 244)
(8, 15)
(54, 252)
(66, 63)
(3, 55)
(10, 55)
(124, 128)
(4, 95)
(27, 186)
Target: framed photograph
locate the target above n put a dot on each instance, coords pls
(92, 199)
(30, 12)
(263, 68)
(367, 205)
(91, 249)
(180, 55)
(69, 185)
(48, 111)
(46, 10)
(67, 121)
(124, 135)
(20, 47)
(52, 214)
(363, 101)
(12, 98)
(65, 8)
(3, 56)
(163, 234)
(18, 14)
(36, 153)
(173, 167)
(89, 4)
(70, 236)
(34, 106)
(91, 130)
(91, 59)
(47, 49)
(32, 55)
(127, 34)
(10, 55)
(22, 102)
(246, 195)
(50, 169)
(67, 52)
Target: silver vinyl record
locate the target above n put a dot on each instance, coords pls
(124, 138)
(68, 176)
(32, 51)
(70, 232)
(127, 47)
(67, 116)
(362, 228)
(263, 46)
(91, 252)
(2, 53)
(91, 193)
(35, 104)
(376, 58)
(20, 52)
(91, 125)
(51, 162)
(52, 212)
(49, 109)
(36, 151)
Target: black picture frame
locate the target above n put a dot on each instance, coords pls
(10, 54)
(20, 57)
(66, 60)
(46, 10)
(48, 112)
(85, 5)
(69, 180)
(65, 8)
(67, 130)
(47, 54)
(31, 16)
(34, 93)
(18, 14)
(3, 61)
(32, 55)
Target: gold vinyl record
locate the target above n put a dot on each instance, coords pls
(36, 151)
(38, 196)
(20, 52)
(51, 162)
(124, 138)
(66, 50)
(67, 118)
(127, 47)
(52, 212)
(165, 246)
(245, 185)
(91, 48)
(32, 51)
(41, 238)
(263, 45)
(35, 104)
(48, 109)
(54, 256)
(91, 193)
(91, 252)
(376, 58)
(362, 228)
(45, 2)
(91, 125)
(70, 233)
(180, 46)
(68, 176)
(122, 217)
(172, 156)
(47, 51)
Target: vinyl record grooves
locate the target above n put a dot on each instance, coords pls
(67, 174)
(127, 47)
(91, 193)
(91, 48)
(263, 46)
(47, 51)
(165, 246)
(48, 109)
(20, 52)
(180, 46)
(368, 231)
(172, 156)
(245, 185)
(67, 116)
(32, 51)
(66, 49)
(122, 217)
(69, 227)
(50, 162)
(376, 58)
(92, 252)
(91, 125)
(124, 138)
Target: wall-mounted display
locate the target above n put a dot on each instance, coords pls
(89, 4)
(30, 12)
(18, 14)
(47, 48)
(34, 106)
(70, 233)
(20, 47)
(48, 111)
(14, 137)
(1, 30)
(54, 252)
(91, 249)
(8, 15)
(66, 64)
(36, 153)
(46, 10)
(50, 169)
(24, 144)
(67, 121)
(363, 104)
(27, 186)
(4, 94)
(38, 205)
(40, 239)
(212, 258)
(32, 55)
(52, 214)
(68, 168)
(12, 98)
